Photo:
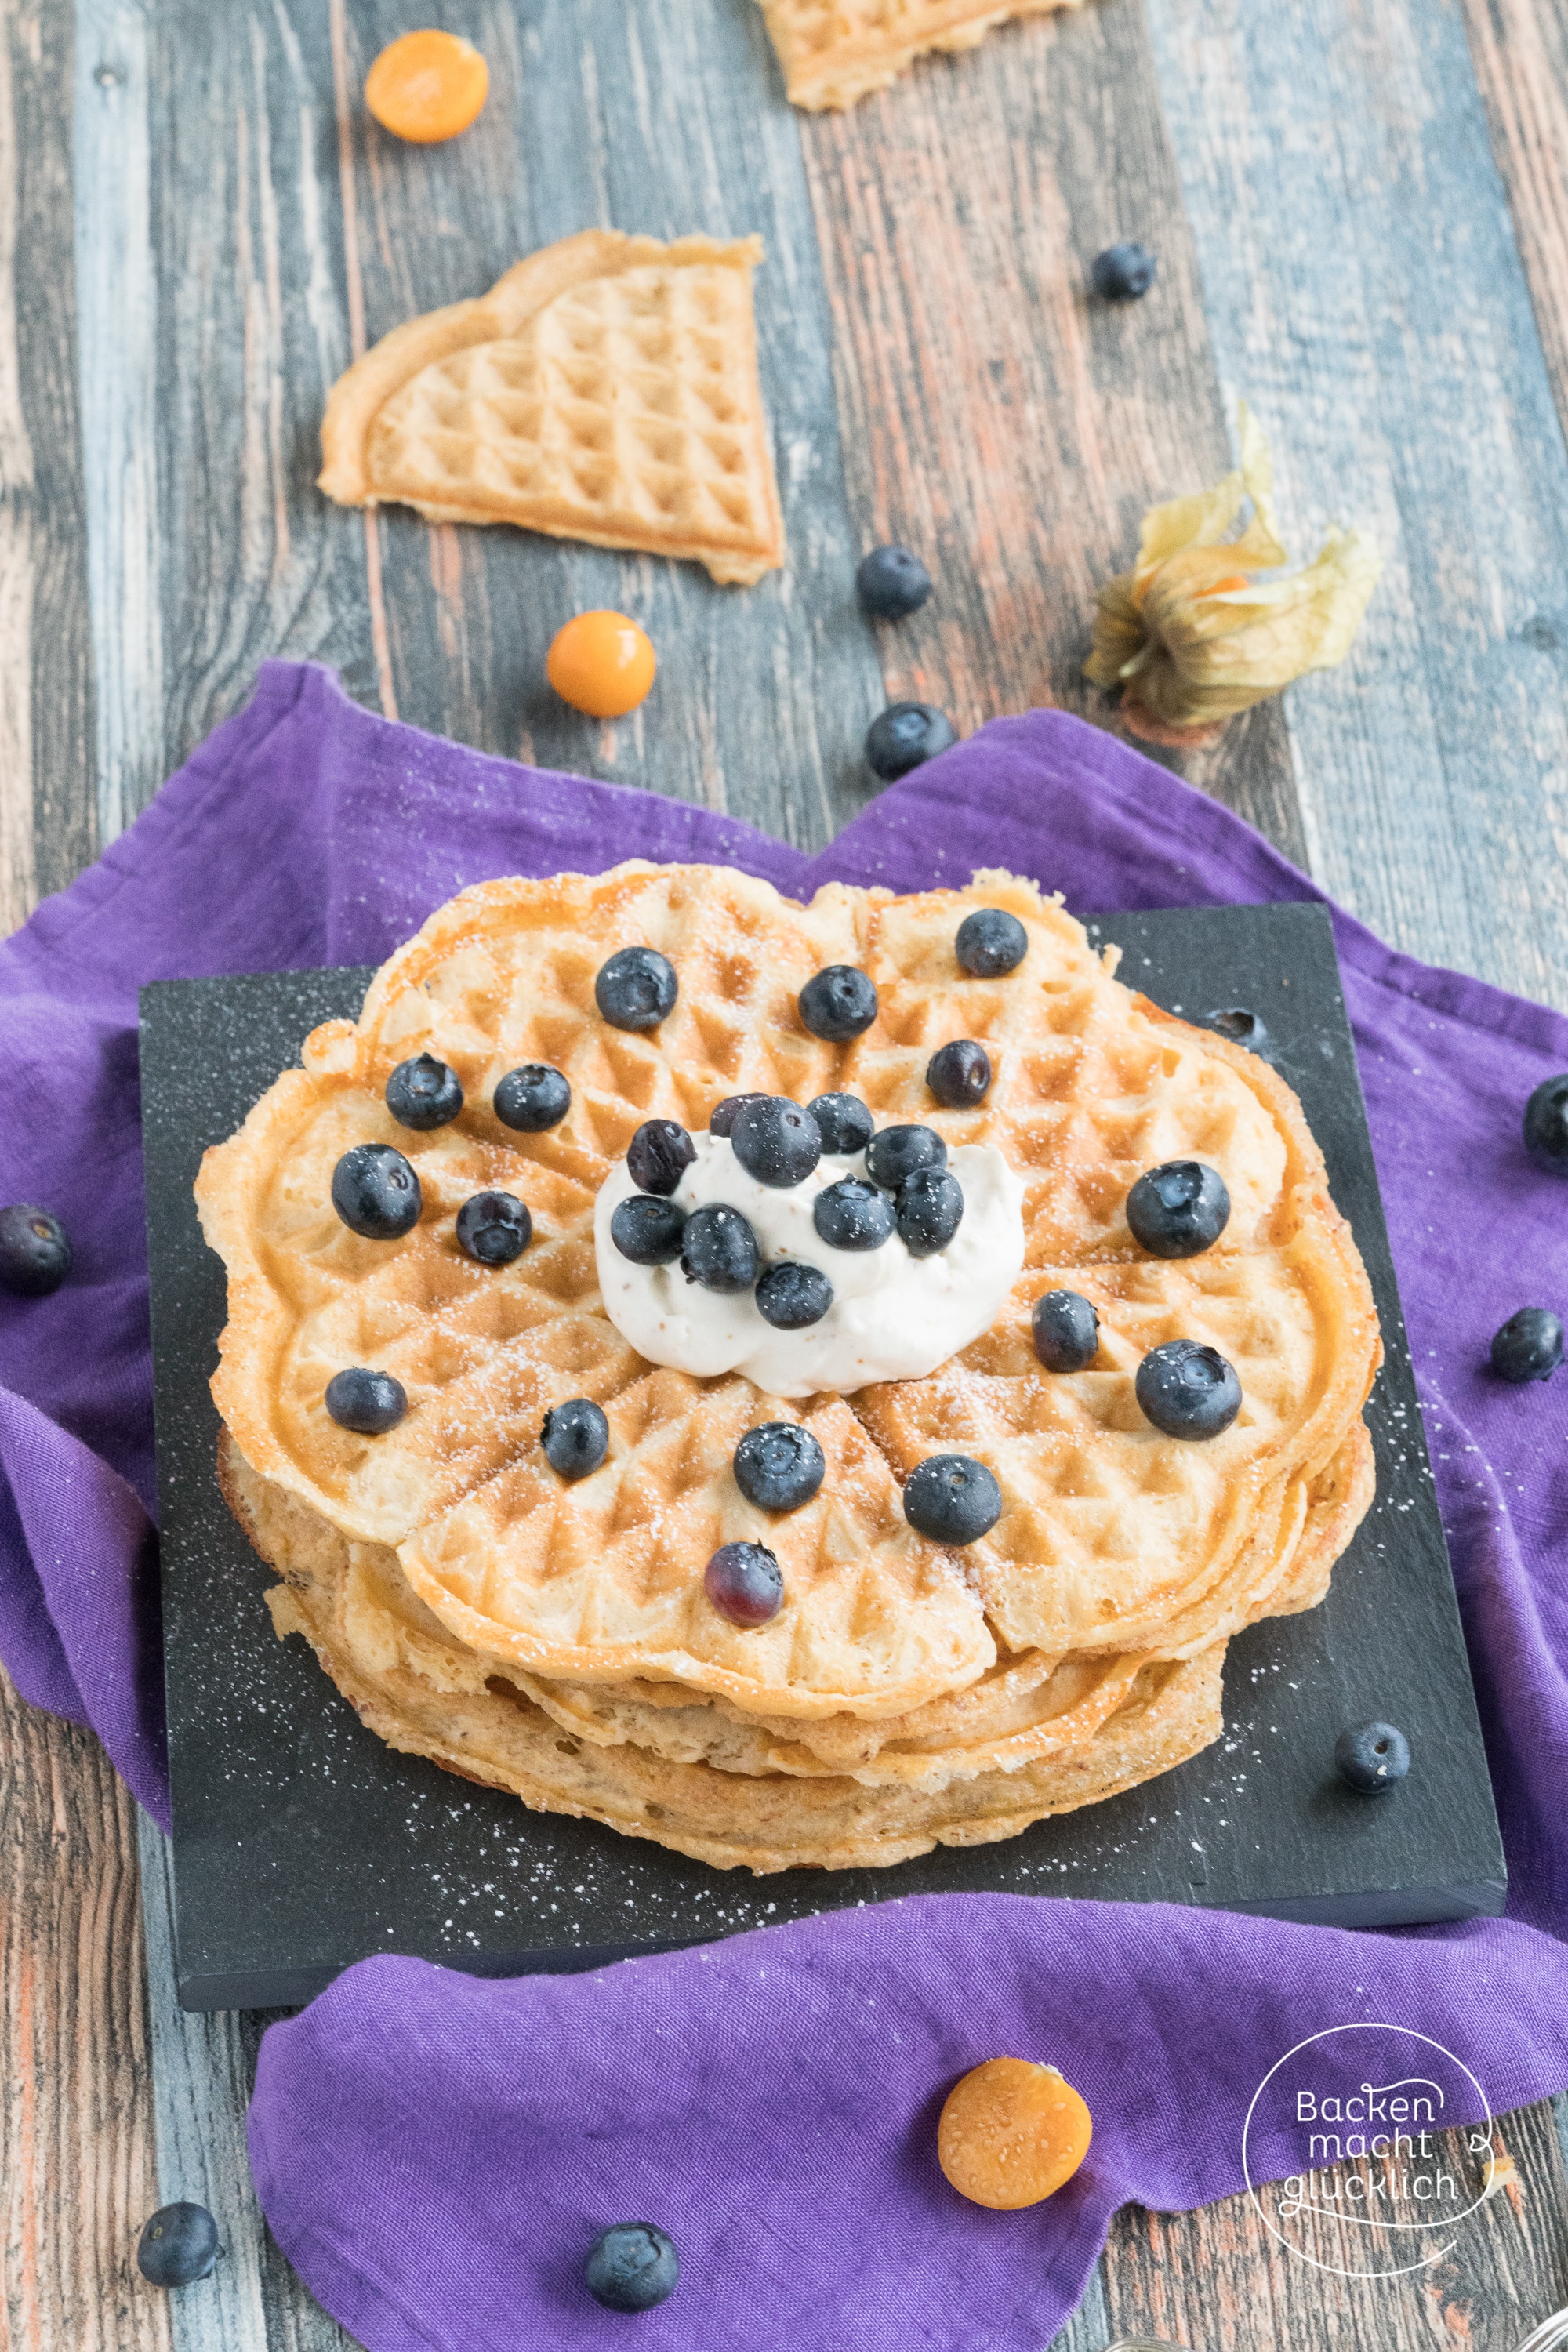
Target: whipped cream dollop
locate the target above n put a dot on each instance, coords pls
(893, 1318)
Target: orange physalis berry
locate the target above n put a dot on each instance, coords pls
(1011, 2133)
(427, 87)
(1223, 587)
(601, 663)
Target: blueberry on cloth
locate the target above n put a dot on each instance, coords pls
(906, 736)
(724, 1114)
(34, 1255)
(990, 942)
(636, 988)
(776, 1141)
(839, 1003)
(178, 2245)
(494, 1227)
(423, 1093)
(532, 1097)
(892, 582)
(1372, 1756)
(368, 1402)
(1529, 1347)
(1178, 1209)
(575, 1437)
(1546, 1124)
(1187, 1390)
(718, 1248)
(1122, 272)
(632, 2266)
(929, 1206)
(658, 1155)
(744, 1583)
(843, 1122)
(779, 1467)
(647, 1230)
(895, 1154)
(959, 1075)
(1066, 1331)
(952, 1498)
(377, 1193)
(792, 1295)
(850, 1216)
(1243, 1028)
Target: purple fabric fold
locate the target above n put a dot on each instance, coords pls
(306, 832)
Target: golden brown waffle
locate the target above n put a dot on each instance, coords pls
(836, 51)
(605, 389)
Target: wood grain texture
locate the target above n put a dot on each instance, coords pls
(997, 417)
(1363, 290)
(1521, 52)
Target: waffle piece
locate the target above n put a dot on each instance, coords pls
(605, 389)
(425, 1694)
(836, 51)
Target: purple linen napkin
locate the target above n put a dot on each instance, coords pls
(308, 832)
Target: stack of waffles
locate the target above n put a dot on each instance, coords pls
(554, 1638)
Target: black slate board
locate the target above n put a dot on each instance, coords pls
(302, 1843)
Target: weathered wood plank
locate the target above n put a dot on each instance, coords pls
(996, 417)
(1520, 53)
(1365, 290)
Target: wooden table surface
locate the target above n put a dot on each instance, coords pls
(1361, 213)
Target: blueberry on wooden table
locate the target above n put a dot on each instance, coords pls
(1178, 1209)
(424, 1092)
(178, 2245)
(929, 1206)
(991, 942)
(493, 1228)
(775, 1141)
(952, 1498)
(779, 1465)
(632, 2267)
(744, 1583)
(658, 1155)
(1066, 1330)
(575, 1437)
(844, 1123)
(1372, 1756)
(852, 1215)
(839, 1003)
(370, 1403)
(905, 737)
(1546, 1124)
(792, 1295)
(35, 1253)
(649, 1230)
(1124, 272)
(532, 1097)
(892, 582)
(724, 1114)
(959, 1074)
(1188, 1390)
(895, 1154)
(636, 988)
(718, 1248)
(1528, 1347)
(377, 1193)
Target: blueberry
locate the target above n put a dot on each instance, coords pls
(906, 736)
(718, 1248)
(792, 1295)
(952, 1498)
(377, 1193)
(895, 1154)
(1243, 1028)
(1187, 1390)
(779, 1467)
(368, 1402)
(632, 2266)
(658, 1155)
(1122, 272)
(851, 1216)
(575, 1437)
(990, 942)
(1546, 1124)
(532, 1097)
(494, 1227)
(744, 1583)
(178, 2245)
(838, 1003)
(929, 1206)
(843, 1122)
(1178, 1209)
(1372, 1756)
(723, 1117)
(647, 1230)
(776, 1141)
(35, 1255)
(959, 1075)
(423, 1093)
(892, 583)
(1066, 1331)
(1529, 1347)
(637, 988)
